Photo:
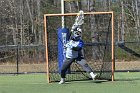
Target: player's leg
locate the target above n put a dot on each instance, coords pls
(65, 66)
(86, 67)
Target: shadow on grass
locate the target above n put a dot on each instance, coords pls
(100, 81)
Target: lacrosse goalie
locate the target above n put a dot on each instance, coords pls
(74, 49)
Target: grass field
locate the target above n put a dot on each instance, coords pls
(36, 83)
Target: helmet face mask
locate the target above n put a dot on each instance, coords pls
(77, 34)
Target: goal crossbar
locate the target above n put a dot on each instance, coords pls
(74, 14)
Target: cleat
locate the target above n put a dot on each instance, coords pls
(94, 76)
(62, 81)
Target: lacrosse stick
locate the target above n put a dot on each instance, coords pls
(78, 21)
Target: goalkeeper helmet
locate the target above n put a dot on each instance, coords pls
(77, 32)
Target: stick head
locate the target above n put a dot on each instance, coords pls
(80, 18)
(81, 12)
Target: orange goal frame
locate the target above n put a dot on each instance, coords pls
(74, 14)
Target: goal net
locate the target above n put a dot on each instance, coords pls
(98, 36)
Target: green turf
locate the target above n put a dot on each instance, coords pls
(37, 83)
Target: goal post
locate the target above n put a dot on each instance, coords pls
(105, 54)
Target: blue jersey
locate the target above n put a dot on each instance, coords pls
(73, 47)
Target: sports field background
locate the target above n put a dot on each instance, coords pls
(37, 68)
(125, 82)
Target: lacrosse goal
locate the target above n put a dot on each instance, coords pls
(98, 35)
